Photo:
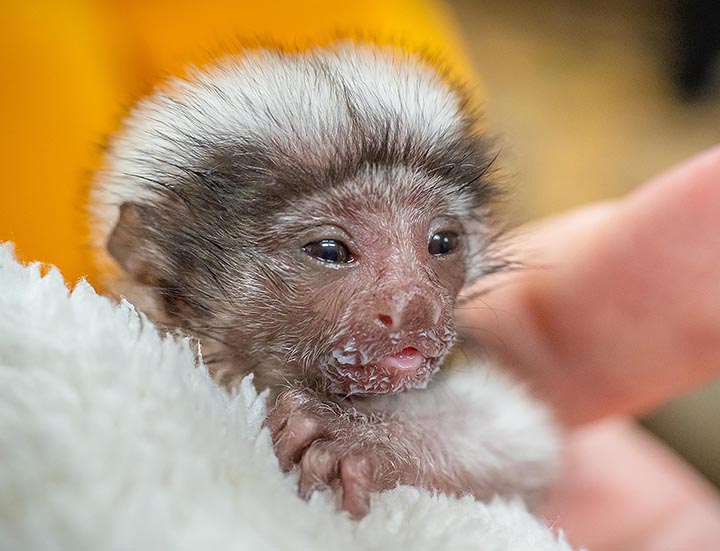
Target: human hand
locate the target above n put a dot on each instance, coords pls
(621, 314)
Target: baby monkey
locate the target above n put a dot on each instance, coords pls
(311, 217)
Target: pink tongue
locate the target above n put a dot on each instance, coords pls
(407, 359)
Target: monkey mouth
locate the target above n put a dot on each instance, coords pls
(355, 374)
(408, 359)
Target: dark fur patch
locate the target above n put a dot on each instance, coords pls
(214, 207)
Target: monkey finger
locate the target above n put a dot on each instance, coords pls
(299, 432)
(318, 468)
(357, 484)
(285, 406)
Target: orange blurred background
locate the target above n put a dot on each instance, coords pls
(72, 69)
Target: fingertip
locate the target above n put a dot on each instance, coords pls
(355, 476)
(318, 468)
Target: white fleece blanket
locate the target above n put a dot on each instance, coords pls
(113, 438)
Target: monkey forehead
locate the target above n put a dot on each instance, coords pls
(380, 192)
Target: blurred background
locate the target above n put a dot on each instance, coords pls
(591, 99)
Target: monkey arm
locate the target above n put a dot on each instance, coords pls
(475, 431)
(471, 431)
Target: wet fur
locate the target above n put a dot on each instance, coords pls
(205, 199)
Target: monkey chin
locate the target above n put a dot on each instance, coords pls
(406, 370)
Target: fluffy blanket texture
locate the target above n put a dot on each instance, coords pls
(113, 437)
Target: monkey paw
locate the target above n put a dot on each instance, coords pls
(336, 449)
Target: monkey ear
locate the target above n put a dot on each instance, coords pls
(128, 245)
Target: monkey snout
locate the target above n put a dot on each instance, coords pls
(408, 311)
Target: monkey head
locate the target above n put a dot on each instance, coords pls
(310, 216)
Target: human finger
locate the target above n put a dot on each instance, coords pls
(623, 490)
(619, 309)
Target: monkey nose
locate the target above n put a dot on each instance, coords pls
(417, 310)
(386, 320)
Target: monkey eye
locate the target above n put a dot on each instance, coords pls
(329, 250)
(442, 243)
